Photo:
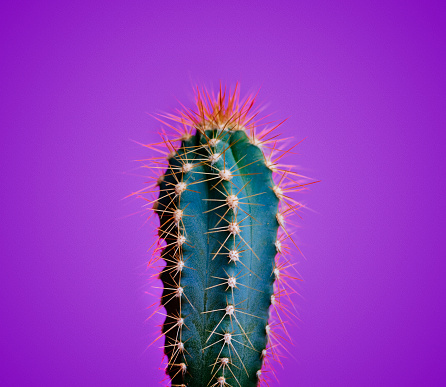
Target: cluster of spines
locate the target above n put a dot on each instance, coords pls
(217, 116)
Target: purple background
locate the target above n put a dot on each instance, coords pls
(365, 84)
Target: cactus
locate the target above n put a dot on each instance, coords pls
(223, 207)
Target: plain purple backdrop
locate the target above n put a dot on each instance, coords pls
(364, 83)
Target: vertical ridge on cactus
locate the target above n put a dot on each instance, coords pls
(224, 206)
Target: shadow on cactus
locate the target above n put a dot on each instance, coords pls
(224, 204)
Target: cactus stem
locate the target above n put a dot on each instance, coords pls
(230, 162)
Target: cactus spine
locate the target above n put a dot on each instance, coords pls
(223, 239)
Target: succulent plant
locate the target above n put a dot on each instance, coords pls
(224, 206)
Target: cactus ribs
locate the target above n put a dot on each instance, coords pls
(224, 206)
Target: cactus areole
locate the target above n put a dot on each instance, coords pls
(223, 204)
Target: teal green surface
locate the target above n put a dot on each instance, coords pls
(252, 182)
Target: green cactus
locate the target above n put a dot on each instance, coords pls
(225, 272)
